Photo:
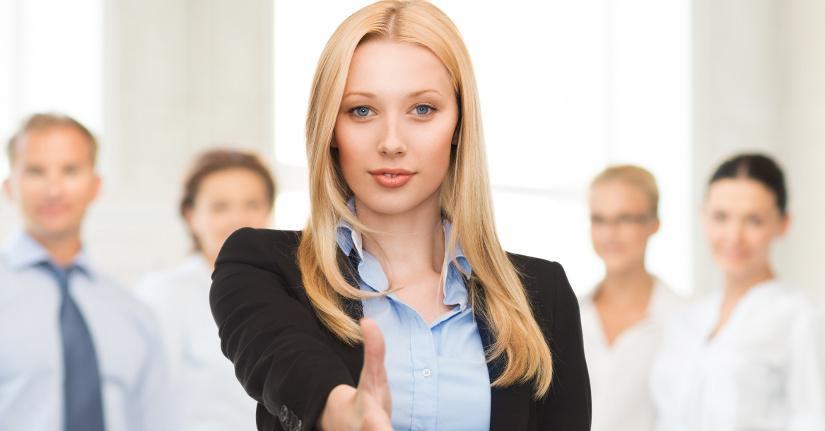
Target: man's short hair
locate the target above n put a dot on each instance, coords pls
(46, 121)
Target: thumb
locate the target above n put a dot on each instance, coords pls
(373, 372)
(373, 380)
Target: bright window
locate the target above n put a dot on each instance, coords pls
(51, 53)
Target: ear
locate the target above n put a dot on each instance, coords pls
(785, 224)
(97, 183)
(187, 217)
(654, 228)
(7, 189)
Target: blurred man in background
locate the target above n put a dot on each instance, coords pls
(77, 353)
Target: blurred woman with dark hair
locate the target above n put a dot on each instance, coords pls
(749, 356)
(223, 191)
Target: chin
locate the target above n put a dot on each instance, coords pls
(616, 266)
(388, 207)
(52, 230)
(394, 203)
(736, 269)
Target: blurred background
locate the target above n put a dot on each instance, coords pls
(566, 87)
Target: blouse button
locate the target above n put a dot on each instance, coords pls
(427, 372)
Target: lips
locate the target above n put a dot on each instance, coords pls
(391, 178)
(52, 210)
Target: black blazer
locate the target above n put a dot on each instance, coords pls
(289, 362)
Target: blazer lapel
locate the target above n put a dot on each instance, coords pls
(353, 355)
(348, 264)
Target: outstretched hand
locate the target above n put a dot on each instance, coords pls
(367, 407)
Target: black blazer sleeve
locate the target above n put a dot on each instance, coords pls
(568, 405)
(281, 355)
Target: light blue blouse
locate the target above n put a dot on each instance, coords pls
(437, 372)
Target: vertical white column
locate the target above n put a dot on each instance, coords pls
(736, 95)
(802, 56)
(180, 76)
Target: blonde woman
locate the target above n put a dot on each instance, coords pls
(622, 318)
(456, 334)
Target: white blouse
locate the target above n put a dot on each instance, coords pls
(619, 374)
(764, 370)
(210, 396)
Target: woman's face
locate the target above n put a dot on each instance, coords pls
(395, 128)
(226, 201)
(621, 223)
(741, 220)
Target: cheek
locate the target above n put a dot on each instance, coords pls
(759, 238)
(433, 146)
(638, 238)
(257, 218)
(598, 236)
(29, 190)
(713, 232)
(354, 142)
(82, 188)
(206, 224)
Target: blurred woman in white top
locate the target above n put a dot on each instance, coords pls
(622, 317)
(223, 191)
(748, 357)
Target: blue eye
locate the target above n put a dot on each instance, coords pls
(423, 109)
(361, 111)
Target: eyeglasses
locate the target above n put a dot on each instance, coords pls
(622, 220)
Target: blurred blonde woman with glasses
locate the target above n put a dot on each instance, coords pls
(622, 317)
(456, 333)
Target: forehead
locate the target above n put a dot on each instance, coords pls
(232, 182)
(618, 196)
(392, 67)
(740, 194)
(63, 143)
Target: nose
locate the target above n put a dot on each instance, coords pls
(54, 187)
(392, 143)
(735, 233)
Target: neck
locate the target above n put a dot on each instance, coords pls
(738, 284)
(62, 249)
(410, 243)
(631, 285)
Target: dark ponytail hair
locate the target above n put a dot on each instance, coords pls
(757, 167)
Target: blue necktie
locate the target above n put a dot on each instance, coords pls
(83, 402)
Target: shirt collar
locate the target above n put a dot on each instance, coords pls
(22, 251)
(350, 239)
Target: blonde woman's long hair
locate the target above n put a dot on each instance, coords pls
(465, 194)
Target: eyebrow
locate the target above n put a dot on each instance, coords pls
(372, 95)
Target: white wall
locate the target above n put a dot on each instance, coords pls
(180, 76)
(802, 135)
(758, 68)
